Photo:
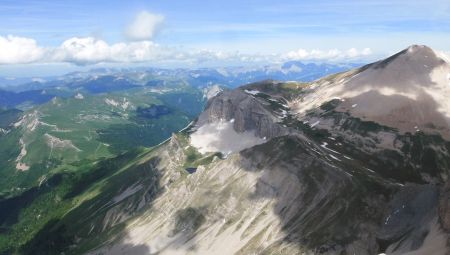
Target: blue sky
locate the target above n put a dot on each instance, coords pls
(192, 32)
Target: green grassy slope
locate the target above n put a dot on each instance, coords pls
(88, 128)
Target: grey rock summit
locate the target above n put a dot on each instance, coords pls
(246, 111)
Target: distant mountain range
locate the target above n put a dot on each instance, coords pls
(226, 76)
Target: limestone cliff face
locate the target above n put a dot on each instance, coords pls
(246, 111)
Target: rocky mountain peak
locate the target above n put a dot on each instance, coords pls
(415, 59)
(426, 52)
(419, 49)
(408, 91)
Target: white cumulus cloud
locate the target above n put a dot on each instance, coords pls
(144, 26)
(89, 50)
(19, 50)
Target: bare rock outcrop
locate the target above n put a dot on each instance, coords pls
(245, 111)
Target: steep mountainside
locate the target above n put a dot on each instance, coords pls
(354, 163)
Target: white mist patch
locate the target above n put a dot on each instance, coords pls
(440, 92)
(221, 137)
(443, 56)
(252, 92)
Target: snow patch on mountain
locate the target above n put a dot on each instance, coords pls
(222, 137)
(252, 92)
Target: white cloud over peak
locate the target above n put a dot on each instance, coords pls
(144, 26)
(19, 50)
(330, 55)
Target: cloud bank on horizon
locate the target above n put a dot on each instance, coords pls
(90, 50)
